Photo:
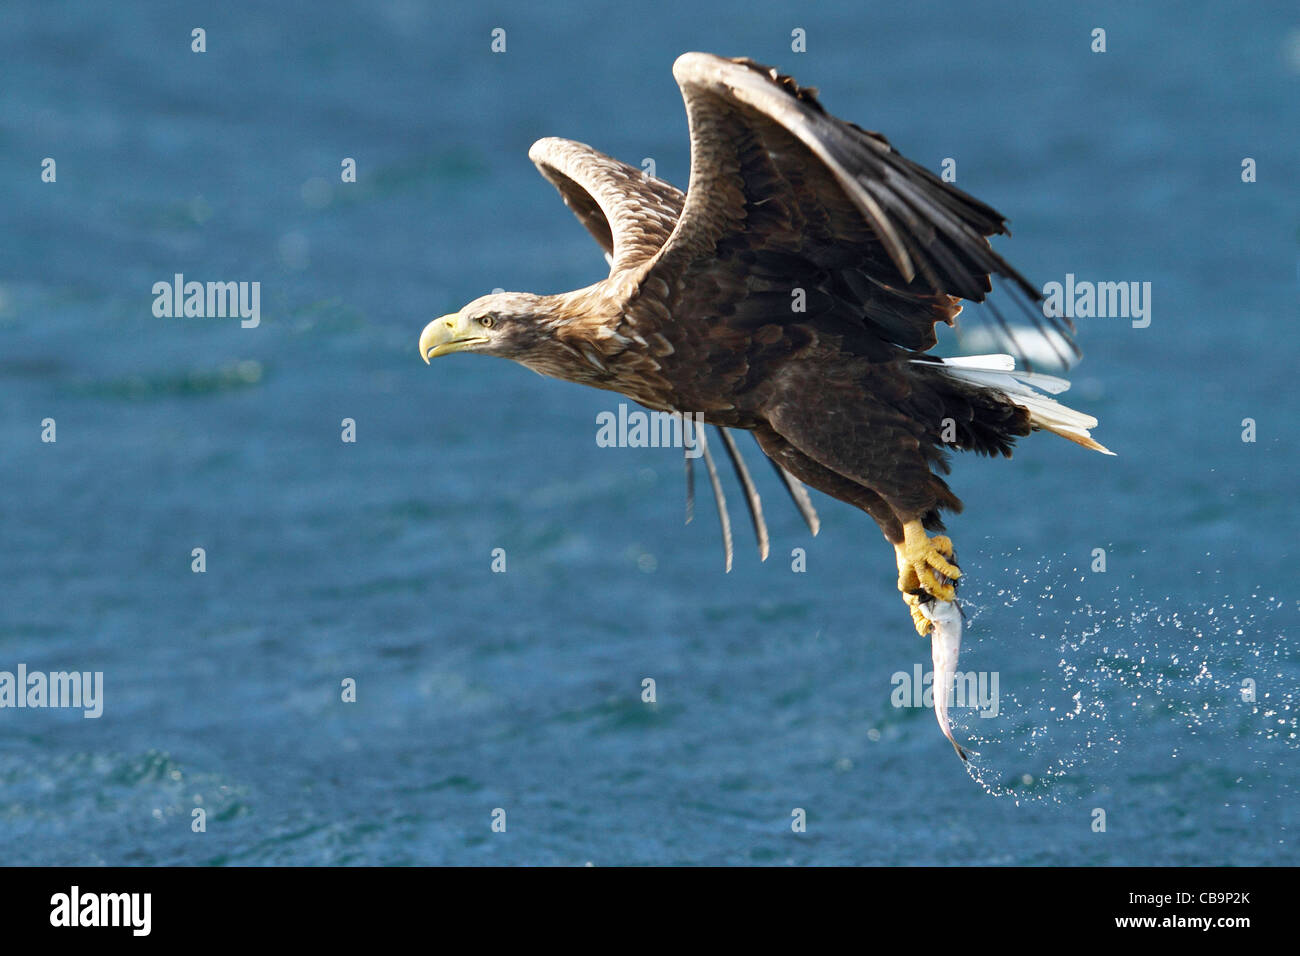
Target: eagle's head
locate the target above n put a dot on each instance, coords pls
(562, 336)
(506, 324)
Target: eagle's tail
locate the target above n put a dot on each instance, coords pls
(998, 373)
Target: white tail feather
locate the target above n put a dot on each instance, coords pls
(998, 372)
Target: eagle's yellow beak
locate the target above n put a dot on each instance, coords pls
(451, 333)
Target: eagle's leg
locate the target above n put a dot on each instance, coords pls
(925, 564)
(925, 568)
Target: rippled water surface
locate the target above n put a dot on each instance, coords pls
(1120, 691)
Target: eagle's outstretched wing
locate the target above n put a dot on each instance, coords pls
(783, 195)
(631, 215)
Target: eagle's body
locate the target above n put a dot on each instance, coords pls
(791, 292)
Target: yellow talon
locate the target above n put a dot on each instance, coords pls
(919, 620)
(924, 563)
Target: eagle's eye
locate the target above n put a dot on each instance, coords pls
(486, 321)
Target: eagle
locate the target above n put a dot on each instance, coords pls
(792, 292)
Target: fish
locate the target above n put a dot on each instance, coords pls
(945, 646)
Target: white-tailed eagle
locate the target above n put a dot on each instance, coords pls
(792, 292)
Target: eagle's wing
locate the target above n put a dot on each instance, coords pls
(629, 213)
(784, 195)
(632, 215)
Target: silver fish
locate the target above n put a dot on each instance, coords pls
(945, 646)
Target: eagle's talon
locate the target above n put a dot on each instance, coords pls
(939, 586)
(925, 563)
(913, 601)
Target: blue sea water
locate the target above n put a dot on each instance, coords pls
(371, 561)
